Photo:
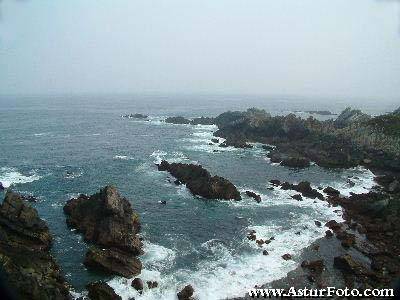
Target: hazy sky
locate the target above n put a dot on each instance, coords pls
(282, 47)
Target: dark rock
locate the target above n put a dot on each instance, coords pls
(202, 121)
(163, 202)
(287, 256)
(328, 234)
(318, 223)
(28, 268)
(296, 162)
(216, 141)
(347, 264)
(152, 284)
(113, 261)
(394, 187)
(265, 252)
(275, 158)
(1, 186)
(199, 181)
(101, 291)
(297, 197)
(186, 293)
(137, 284)
(260, 242)
(331, 191)
(254, 196)
(106, 219)
(237, 143)
(333, 225)
(177, 182)
(177, 120)
(304, 188)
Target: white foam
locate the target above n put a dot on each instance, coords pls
(123, 157)
(362, 178)
(9, 176)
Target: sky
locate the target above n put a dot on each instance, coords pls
(347, 48)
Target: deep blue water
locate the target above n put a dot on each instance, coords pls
(58, 147)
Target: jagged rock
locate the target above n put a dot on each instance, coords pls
(137, 284)
(113, 261)
(101, 291)
(216, 141)
(106, 219)
(268, 147)
(304, 188)
(254, 196)
(265, 252)
(17, 216)
(296, 162)
(177, 120)
(29, 271)
(347, 239)
(333, 225)
(1, 186)
(331, 191)
(186, 293)
(317, 223)
(287, 256)
(328, 234)
(199, 181)
(350, 116)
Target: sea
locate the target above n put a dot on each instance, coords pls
(57, 147)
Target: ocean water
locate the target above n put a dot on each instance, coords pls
(58, 147)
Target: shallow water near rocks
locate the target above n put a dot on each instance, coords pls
(55, 149)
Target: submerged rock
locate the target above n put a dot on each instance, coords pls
(287, 256)
(186, 293)
(199, 181)
(29, 270)
(101, 291)
(202, 121)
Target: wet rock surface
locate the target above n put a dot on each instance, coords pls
(199, 181)
(30, 271)
(101, 291)
(186, 293)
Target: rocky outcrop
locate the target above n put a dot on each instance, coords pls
(107, 220)
(177, 120)
(237, 143)
(112, 261)
(29, 269)
(199, 181)
(101, 291)
(304, 188)
(350, 116)
(331, 191)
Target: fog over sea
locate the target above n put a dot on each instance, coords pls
(58, 147)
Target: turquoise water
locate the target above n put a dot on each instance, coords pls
(56, 148)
